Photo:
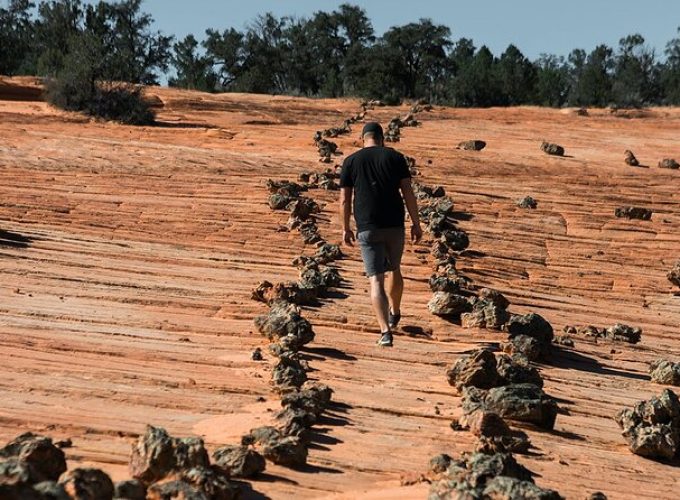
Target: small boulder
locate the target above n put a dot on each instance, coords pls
(285, 320)
(669, 163)
(532, 325)
(477, 369)
(42, 459)
(130, 489)
(525, 346)
(439, 463)
(633, 213)
(517, 370)
(239, 461)
(519, 402)
(552, 149)
(624, 333)
(87, 484)
(630, 159)
(157, 454)
(489, 311)
(674, 274)
(448, 304)
(509, 488)
(473, 145)
(665, 372)
(527, 202)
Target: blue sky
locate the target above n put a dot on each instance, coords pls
(535, 26)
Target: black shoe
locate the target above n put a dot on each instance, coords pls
(393, 319)
(385, 340)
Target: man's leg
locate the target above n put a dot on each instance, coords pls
(395, 290)
(379, 301)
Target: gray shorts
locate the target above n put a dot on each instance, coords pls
(381, 249)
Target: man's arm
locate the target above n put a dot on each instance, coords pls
(345, 214)
(412, 207)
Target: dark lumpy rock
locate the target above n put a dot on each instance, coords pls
(42, 460)
(524, 345)
(295, 293)
(630, 159)
(665, 372)
(652, 428)
(508, 488)
(490, 445)
(239, 461)
(448, 304)
(518, 402)
(552, 149)
(175, 489)
(439, 463)
(451, 283)
(517, 370)
(303, 208)
(669, 163)
(156, 454)
(328, 252)
(51, 490)
(625, 333)
(288, 373)
(87, 484)
(674, 274)
(285, 320)
(455, 239)
(286, 188)
(320, 278)
(527, 202)
(289, 451)
(489, 311)
(477, 369)
(532, 325)
(598, 495)
(278, 201)
(473, 145)
(633, 213)
(130, 489)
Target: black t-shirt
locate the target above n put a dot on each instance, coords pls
(375, 173)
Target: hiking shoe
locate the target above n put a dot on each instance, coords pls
(393, 319)
(385, 340)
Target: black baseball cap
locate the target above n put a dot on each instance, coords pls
(372, 127)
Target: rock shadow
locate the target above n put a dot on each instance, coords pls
(14, 240)
(572, 360)
(328, 352)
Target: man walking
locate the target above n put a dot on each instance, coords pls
(376, 178)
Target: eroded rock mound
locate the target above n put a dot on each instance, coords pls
(130, 489)
(36, 457)
(87, 484)
(518, 402)
(669, 163)
(157, 454)
(665, 372)
(633, 213)
(527, 202)
(475, 370)
(295, 293)
(674, 274)
(448, 304)
(552, 149)
(239, 461)
(473, 145)
(630, 159)
(484, 476)
(489, 310)
(285, 321)
(652, 428)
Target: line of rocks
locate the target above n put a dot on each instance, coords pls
(617, 333)
(32, 467)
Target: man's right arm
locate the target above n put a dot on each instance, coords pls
(345, 215)
(412, 207)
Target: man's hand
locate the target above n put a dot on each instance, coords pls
(416, 233)
(348, 237)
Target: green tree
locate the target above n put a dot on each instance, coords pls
(552, 81)
(194, 71)
(16, 37)
(592, 77)
(636, 73)
(225, 51)
(516, 77)
(670, 72)
(58, 24)
(421, 61)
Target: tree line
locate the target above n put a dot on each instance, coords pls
(330, 54)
